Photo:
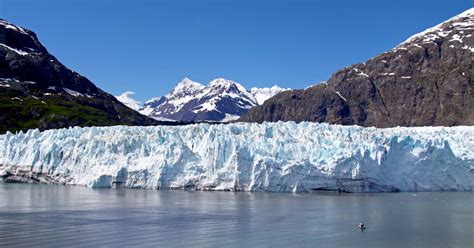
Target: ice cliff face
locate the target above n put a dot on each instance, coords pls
(279, 157)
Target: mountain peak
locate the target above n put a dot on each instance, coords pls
(220, 100)
(19, 40)
(127, 99)
(8, 25)
(263, 94)
(426, 81)
(273, 88)
(221, 81)
(187, 86)
(38, 91)
(188, 82)
(226, 83)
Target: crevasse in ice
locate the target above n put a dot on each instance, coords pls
(278, 157)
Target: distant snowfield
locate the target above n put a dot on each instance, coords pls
(277, 157)
(127, 99)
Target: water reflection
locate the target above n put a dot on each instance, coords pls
(64, 216)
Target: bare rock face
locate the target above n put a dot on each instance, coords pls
(37, 91)
(425, 81)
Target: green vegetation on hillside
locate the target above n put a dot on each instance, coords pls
(27, 112)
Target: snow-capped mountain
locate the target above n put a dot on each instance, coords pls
(221, 100)
(424, 81)
(262, 94)
(127, 99)
(38, 91)
(458, 29)
(174, 101)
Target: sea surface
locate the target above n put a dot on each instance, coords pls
(65, 216)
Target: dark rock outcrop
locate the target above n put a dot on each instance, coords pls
(425, 81)
(37, 91)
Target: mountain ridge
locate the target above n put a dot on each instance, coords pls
(221, 100)
(38, 91)
(424, 81)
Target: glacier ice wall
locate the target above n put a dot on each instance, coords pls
(279, 157)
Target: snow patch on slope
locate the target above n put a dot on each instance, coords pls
(76, 93)
(439, 30)
(18, 51)
(9, 25)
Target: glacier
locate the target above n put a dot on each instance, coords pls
(275, 157)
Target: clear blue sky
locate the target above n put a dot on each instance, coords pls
(148, 46)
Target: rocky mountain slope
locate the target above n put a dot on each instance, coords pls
(221, 100)
(37, 91)
(425, 81)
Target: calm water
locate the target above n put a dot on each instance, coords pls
(63, 216)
